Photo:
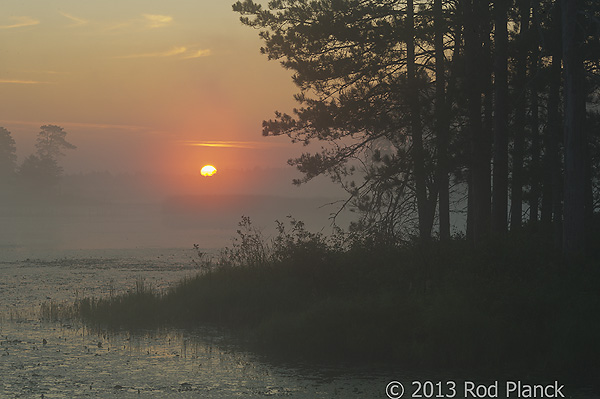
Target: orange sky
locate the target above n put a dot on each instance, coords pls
(141, 85)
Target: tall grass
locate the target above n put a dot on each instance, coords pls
(510, 304)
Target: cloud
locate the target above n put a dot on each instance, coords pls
(20, 22)
(44, 72)
(109, 126)
(197, 54)
(230, 144)
(116, 28)
(157, 21)
(185, 53)
(22, 82)
(77, 21)
(139, 24)
(169, 53)
(66, 124)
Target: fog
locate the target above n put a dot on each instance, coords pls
(106, 210)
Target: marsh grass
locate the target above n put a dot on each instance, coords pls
(509, 305)
(58, 311)
(17, 315)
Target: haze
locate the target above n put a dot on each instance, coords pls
(139, 84)
(149, 92)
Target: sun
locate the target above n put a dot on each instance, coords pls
(208, 170)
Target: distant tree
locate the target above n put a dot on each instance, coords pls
(51, 142)
(39, 172)
(42, 169)
(8, 156)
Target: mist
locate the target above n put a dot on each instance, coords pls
(143, 210)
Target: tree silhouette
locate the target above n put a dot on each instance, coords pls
(42, 169)
(477, 27)
(574, 130)
(423, 95)
(42, 173)
(366, 91)
(8, 157)
(442, 121)
(51, 142)
(501, 112)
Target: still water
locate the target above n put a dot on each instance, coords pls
(66, 360)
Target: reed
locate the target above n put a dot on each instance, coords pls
(509, 305)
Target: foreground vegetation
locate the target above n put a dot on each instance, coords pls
(510, 305)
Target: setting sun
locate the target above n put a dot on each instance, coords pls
(208, 170)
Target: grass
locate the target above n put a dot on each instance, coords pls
(509, 305)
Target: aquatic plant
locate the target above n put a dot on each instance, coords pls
(510, 304)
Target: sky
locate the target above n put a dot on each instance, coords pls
(141, 85)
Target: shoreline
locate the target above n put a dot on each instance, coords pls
(510, 305)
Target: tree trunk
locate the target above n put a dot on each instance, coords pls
(416, 128)
(574, 134)
(485, 152)
(535, 173)
(479, 165)
(549, 159)
(442, 127)
(516, 203)
(551, 135)
(500, 188)
(470, 219)
(551, 211)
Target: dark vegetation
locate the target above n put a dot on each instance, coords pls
(510, 305)
(431, 107)
(39, 173)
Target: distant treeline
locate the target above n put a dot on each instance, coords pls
(417, 98)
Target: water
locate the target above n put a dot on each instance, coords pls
(68, 360)
(77, 363)
(65, 360)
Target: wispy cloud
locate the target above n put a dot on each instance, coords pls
(20, 22)
(184, 52)
(103, 126)
(38, 71)
(76, 20)
(197, 54)
(138, 24)
(169, 53)
(85, 125)
(22, 82)
(157, 21)
(230, 144)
